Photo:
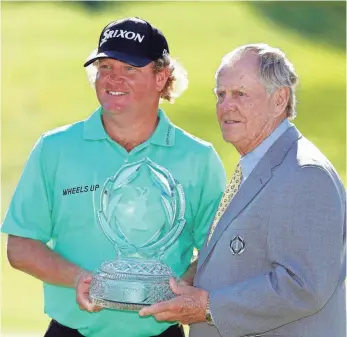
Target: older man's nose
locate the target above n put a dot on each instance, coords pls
(229, 105)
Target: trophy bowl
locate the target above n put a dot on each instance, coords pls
(141, 212)
(131, 284)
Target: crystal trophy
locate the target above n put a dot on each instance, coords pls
(142, 213)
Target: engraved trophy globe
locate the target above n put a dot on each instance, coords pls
(142, 214)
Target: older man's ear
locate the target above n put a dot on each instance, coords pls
(281, 99)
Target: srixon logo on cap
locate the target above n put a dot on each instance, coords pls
(123, 34)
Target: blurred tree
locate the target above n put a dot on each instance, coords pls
(93, 5)
(96, 6)
(320, 20)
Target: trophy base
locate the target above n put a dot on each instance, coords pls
(131, 284)
(117, 305)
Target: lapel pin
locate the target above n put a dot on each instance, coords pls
(237, 245)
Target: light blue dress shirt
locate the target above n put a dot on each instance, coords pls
(251, 159)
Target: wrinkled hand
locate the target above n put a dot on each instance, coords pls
(82, 293)
(188, 307)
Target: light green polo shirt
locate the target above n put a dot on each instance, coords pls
(58, 197)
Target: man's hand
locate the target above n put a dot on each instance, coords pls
(188, 307)
(189, 275)
(82, 293)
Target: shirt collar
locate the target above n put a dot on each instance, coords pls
(163, 135)
(251, 159)
(93, 127)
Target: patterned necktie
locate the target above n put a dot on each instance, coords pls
(229, 193)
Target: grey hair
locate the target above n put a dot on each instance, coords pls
(275, 70)
(176, 84)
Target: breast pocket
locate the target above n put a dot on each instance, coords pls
(242, 252)
(245, 244)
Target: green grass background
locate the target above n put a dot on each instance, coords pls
(43, 84)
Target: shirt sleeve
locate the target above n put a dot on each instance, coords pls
(29, 212)
(213, 183)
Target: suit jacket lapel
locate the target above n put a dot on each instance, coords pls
(261, 174)
(248, 190)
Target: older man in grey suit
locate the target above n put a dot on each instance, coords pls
(274, 262)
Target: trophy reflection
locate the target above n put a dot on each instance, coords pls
(142, 214)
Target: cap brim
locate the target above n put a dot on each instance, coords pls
(136, 61)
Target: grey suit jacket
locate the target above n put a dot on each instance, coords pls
(289, 276)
